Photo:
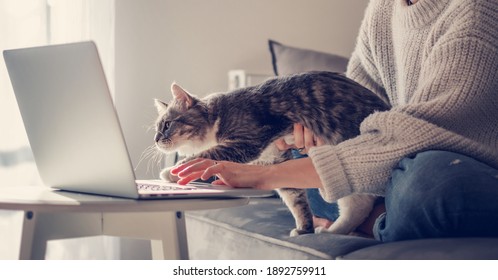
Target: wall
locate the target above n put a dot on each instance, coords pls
(197, 42)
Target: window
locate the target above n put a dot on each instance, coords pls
(26, 23)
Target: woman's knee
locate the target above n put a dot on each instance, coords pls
(432, 174)
(433, 193)
(439, 172)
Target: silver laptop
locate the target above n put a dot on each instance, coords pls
(74, 130)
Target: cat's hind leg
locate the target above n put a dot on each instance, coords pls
(296, 201)
(353, 211)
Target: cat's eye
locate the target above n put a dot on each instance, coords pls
(163, 126)
(167, 125)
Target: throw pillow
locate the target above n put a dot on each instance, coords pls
(290, 60)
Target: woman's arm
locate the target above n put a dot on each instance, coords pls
(299, 173)
(291, 174)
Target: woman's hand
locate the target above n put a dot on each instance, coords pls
(304, 139)
(228, 173)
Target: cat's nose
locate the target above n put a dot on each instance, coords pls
(158, 137)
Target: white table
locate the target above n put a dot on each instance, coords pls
(50, 215)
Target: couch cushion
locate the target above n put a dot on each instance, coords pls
(290, 60)
(260, 230)
(431, 249)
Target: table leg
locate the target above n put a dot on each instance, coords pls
(162, 249)
(166, 230)
(27, 234)
(39, 228)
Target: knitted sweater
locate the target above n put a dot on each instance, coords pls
(436, 62)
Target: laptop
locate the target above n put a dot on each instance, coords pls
(74, 131)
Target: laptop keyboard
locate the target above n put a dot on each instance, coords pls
(161, 188)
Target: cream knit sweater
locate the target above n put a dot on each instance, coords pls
(436, 62)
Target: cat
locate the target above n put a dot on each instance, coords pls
(242, 126)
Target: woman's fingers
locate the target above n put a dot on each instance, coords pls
(195, 169)
(190, 177)
(309, 139)
(298, 136)
(183, 166)
(282, 145)
(219, 182)
(304, 139)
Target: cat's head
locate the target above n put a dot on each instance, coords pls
(182, 124)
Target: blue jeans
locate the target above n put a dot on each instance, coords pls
(433, 194)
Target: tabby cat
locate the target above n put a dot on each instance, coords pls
(242, 126)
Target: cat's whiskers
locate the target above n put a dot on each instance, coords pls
(154, 157)
(149, 128)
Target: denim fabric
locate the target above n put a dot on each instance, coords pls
(439, 194)
(320, 208)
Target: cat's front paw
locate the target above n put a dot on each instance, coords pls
(297, 232)
(167, 176)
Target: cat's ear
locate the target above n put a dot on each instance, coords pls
(160, 106)
(182, 96)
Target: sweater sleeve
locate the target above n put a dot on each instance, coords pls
(454, 108)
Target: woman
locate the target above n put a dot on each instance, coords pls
(434, 156)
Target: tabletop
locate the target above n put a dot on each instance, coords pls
(45, 199)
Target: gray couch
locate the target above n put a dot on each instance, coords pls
(261, 229)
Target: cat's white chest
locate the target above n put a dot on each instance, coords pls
(268, 155)
(195, 146)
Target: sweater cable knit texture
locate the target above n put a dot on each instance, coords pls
(436, 63)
